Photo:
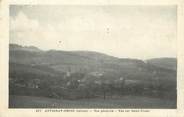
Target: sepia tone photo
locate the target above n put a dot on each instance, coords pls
(93, 56)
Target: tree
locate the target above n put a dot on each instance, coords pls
(105, 89)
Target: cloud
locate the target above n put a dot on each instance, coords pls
(139, 35)
(21, 23)
(27, 31)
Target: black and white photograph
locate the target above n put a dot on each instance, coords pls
(93, 56)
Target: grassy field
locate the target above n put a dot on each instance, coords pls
(123, 102)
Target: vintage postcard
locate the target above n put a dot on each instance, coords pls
(92, 59)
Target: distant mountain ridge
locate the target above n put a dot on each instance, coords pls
(24, 48)
(97, 55)
(86, 62)
(168, 63)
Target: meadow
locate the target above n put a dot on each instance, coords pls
(121, 102)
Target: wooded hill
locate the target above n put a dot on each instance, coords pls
(52, 73)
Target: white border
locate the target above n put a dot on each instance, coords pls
(4, 41)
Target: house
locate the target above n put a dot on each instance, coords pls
(98, 82)
(96, 74)
(33, 83)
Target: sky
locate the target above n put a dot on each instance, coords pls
(140, 32)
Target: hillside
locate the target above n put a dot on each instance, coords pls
(85, 61)
(30, 67)
(168, 63)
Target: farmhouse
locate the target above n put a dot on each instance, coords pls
(33, 83)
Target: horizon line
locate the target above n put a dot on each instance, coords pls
(47, 50)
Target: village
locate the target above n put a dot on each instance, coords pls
(78, 85)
